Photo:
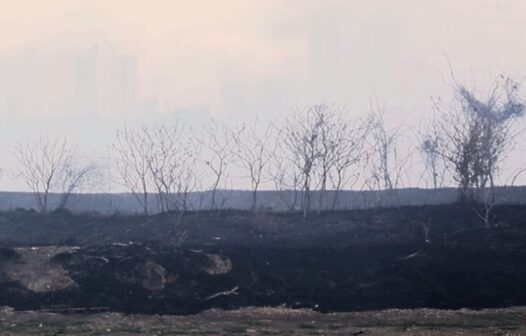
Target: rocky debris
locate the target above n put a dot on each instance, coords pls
(218, 264)
(148, 274)
(36, 271)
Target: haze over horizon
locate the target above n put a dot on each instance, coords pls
(83, 68)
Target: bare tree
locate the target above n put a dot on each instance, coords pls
(170, 162)
(348, 152)
(329, 120)
(188, 182)
(189, 177)
(474, 138)
(51, 165)
(516, 175)
(159, 158)
(434, 165)
(285, 176)
(322, 145)
(77, 176)
(386, 162)
(383, 148)
(302, 140)
(162, 160)
(341, 146)
(217, 153)
(133, 150)
(254, 152)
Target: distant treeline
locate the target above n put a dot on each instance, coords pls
(308, 160)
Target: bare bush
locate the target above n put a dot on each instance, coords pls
(132, 150)
(474, 136)
(51, 165)
(217, 152)
(285, 176)
(322, 145)
(342, 148)
(386, 162)
(302, 140)
(434, 165)
(253, 152)
(159, 159)
(170, 164)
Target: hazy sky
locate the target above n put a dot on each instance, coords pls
(84, 68)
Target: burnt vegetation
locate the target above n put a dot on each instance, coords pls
(187, 251)
(407, 257)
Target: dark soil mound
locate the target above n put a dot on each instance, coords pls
(411, 257)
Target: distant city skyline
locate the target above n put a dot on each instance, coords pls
(83, 69)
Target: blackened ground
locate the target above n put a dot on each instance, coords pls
(231, 227)
(436, 257)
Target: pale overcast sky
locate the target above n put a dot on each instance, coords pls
(85, 68)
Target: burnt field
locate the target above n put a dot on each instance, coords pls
(409, 257)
